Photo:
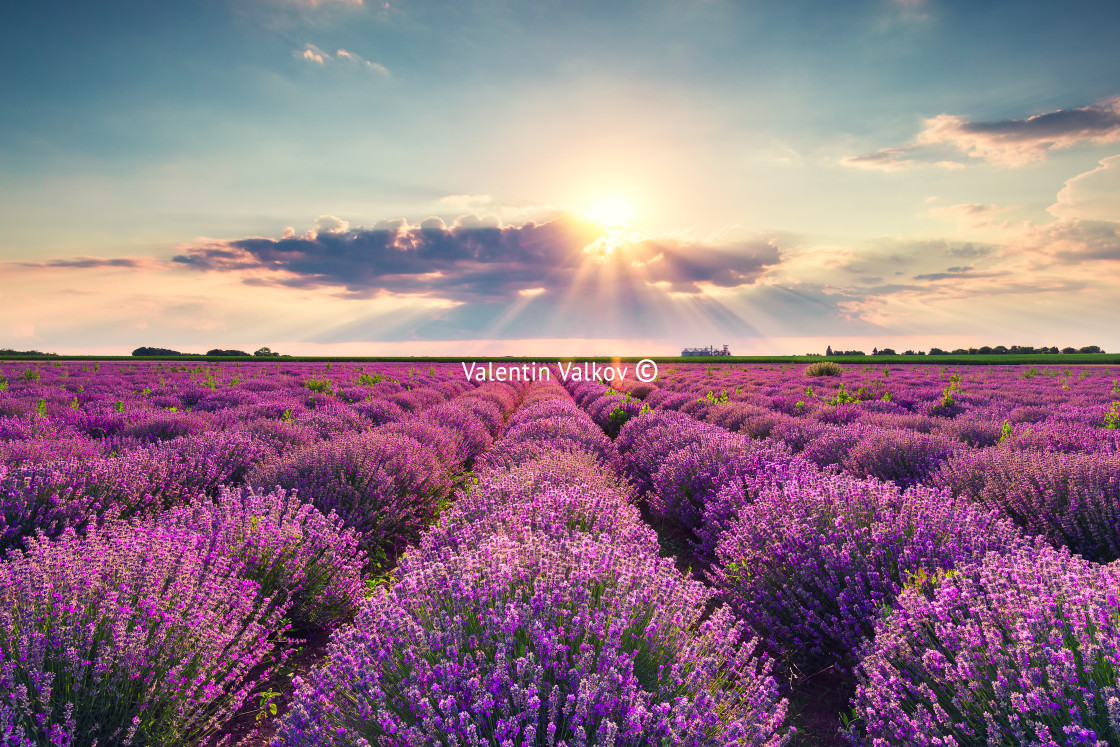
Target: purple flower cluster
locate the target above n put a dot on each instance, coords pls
(682, 468)
(549, 424)
(1020, 648)
(903, 457)
(143, 480)
(555, 493)
(386, 486)
(145, 594)
(132, 634)
(540, 641)
(811, 562)
(1070, 499)
(1052, 410)
(537, 612)
(302, 560)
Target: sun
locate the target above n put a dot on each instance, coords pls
(611, 211)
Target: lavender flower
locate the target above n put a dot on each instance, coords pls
(129, 635)
(384, 485)
(809, 563)
(546, 641)
(1021, 648)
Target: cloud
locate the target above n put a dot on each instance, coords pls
(89, 263)
(894, 159)
(313, 54)
(1009, 142)
(1094, 195)
(888, 159)
(329, 224)
(956, 273)
(351, 57)
(1068, 242)
(973, 214)
(475, 260)
(477, 279)
(1015, 142)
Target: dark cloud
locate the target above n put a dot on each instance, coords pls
(957, 273)
(1083, 123)
(1014, 142)
(473, 261)
(968, 250)
(86, 262)
(1011, 142)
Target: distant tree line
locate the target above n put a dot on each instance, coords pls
(9, 351)
(215, 352)
(162, 352)
(985, 350)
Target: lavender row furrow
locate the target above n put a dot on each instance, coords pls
(537, 612)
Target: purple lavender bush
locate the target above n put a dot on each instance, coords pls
(809, 564)
(379, 411)
(43, 450)
(280, 436)
(976, 432)
(796, 432)
(554, 494)
(53, 496)
(473, 435)
(611, 411)
(1063, 436)
(1021, 648)
(129, 635)
(689, 474)
(446, 443)
(833, 443)
(163, 426)
(903, 457)
(530, 438)
(1073, 500)
(738, 482)
(300, 558)
(646, 441)
(485, 411)
(548, 641)
(384, 485)
(536, 408)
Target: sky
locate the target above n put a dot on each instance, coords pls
(547, 177)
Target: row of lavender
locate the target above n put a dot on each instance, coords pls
(148, 589)
(1053, 467)
(900, 423)
(957, 627)
(537, 612)
(48, 410)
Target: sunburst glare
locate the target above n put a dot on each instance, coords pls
(611, 210)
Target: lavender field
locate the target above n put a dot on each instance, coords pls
(299, 554)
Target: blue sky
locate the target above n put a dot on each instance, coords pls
(429, 176)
